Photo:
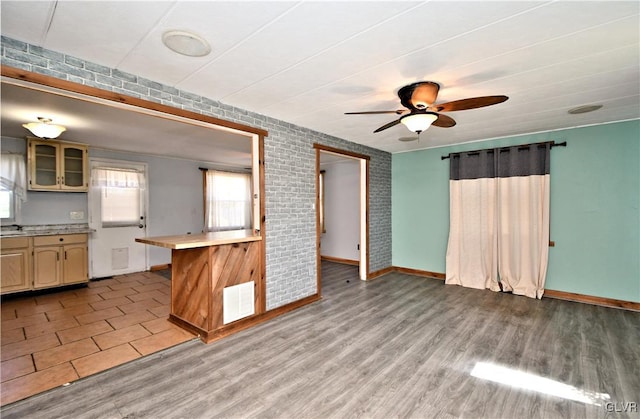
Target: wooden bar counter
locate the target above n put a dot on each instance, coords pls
(202, 265)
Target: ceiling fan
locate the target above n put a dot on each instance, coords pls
(419, 98)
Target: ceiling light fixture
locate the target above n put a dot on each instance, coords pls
(418, 122)
(186, 43)
(44, 128)
(584, 109)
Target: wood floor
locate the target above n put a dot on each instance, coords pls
(398, 346)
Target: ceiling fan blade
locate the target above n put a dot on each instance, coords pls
(470, 103)
(389, 125)
(420, 95)
(444, 121)
(398, 112)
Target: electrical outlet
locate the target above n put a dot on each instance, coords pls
(76, 215)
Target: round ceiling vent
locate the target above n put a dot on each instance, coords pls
(186, 43)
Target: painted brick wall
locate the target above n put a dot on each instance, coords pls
(289, 168)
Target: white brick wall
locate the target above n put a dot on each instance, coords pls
(289, 168)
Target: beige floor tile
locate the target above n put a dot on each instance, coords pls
(64, 353)
(69, 312)
(29, 346)
(120, 336)
(12, 335)
(7, 313)
(50, 327)
(155, 294)
(23, 321)
(100, 305)
(103, 360)
(85, 331)
(103, 283)
(95, 316)
(140, 306)
(158, 325)
(130, 319)
(37, 382)
(80, 299)
(16, 367)
(117, 294)
(125, 285)
(162, 311)
(162, 340)
(150, 287)
(40, 308)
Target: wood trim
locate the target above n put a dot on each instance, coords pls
(590, 299)
(49, 81)
(318, 226)
(341, 260)
(243, 324)
(262, 302)
(340, 151)
(366, 216)
(419, 272)
(376, 274)
(160, 267)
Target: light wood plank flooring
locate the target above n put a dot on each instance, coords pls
(398, 346)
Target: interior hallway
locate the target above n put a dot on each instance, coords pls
(398, 346)
(56, 338)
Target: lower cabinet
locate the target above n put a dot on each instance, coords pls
(15, 264)
(45, 262)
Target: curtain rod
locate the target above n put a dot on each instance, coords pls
(553, 144)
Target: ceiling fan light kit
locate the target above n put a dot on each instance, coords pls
(418, 122)
(44, 128)
(419, 98)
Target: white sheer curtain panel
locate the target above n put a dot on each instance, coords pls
(13, 175)
(227, 201)
(13, 186)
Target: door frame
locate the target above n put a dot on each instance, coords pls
(364, 161)
(91, 197)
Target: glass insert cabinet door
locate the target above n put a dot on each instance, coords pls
(57, 166)
(73, 167)
(46, 165)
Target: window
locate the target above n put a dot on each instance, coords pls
(227, 201)
(13, 185)
(7, 208)
(120, 195)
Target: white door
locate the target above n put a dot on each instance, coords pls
(117, 213)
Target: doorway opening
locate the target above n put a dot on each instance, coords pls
(342, 202)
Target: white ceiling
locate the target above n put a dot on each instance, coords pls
(309, 62)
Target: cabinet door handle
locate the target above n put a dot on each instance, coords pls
(65, 255)
(57, 255)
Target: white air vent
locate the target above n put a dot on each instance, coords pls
(120, 258)
(237, 302)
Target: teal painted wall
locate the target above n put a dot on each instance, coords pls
(595, 216)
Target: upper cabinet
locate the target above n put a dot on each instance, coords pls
(57, 166)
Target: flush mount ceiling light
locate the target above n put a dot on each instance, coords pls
(584, 109)
(418, 122)
(44, 128)
(186, 43)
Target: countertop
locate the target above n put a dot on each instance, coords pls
(45, 230)
(190, 241)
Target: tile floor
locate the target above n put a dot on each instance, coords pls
(52, 339)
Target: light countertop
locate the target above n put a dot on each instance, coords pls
(45, 230)
(190, 241)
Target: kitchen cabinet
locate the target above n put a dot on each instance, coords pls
(57, 166)
(59, 260)
(15, 264)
